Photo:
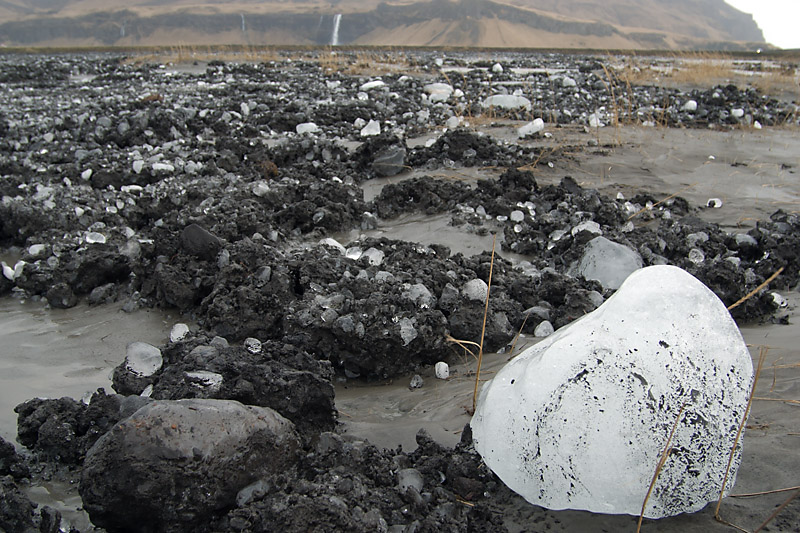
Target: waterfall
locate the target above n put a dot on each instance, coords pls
(337, 19)
(122, 30)
(244, 28)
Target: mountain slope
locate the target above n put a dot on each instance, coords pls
(481, 23)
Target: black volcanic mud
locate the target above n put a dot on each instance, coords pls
(157, 187)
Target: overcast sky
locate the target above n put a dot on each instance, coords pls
(778, 19)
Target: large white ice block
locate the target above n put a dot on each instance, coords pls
(579, 420)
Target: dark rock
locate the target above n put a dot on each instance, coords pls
(390, 161)
(16, 510)
(171, 465)
(61, 296)
(200, 242)
(11, 463)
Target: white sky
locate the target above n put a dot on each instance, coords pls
(778, 19)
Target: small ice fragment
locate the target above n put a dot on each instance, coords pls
(333, 243)
(690, 106)
(442, 370)
(438, 92)
(143, 359)
(416, 382)
(517, 216)
(252, 345)
(407, 331)
(408, 478)
(544, 329)
(589, 225)
(716, 203)
(372, 85)
(147, 392)
(711, 157)
(475, 289)
(86, 174)
(94, 237)
(779, 300)
(497, 68)
(374, 256)
(595, 122)
(531, 128)
(138, 165)
(507, 101)
(737, 112)
(373, 127)
(36, 249)
(696, 256)
(179, 332)
(8, 272)
(757, 125)
(306, 127)
(204, 378)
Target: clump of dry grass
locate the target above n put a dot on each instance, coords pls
(772, 76)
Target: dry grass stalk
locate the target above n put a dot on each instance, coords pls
(777, 511)
(761, 356)
(483, 329)
(661, 462)
(514, 344)
(756, 290)
(776, 491)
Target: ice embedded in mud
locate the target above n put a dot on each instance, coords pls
(579, 421)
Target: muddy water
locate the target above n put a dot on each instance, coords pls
(52, 353)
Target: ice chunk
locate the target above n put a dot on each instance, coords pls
(595, 121)
(306, 127)
(420, 295)
(475, 289)
(333, 243)
(36, 249)
(507, 101)
(407, 330)
(252, 345)
(439, 92)
(138, 165)
(516, 216)
(442, 370)
(94, 237)
(374, 84)
(143, 359)
(690, 106)
(588, 225)
(579, 420)
(737, 112)
(373, 127)
(408, 478)
(204, 378)
(178, 332)
(608, 262)
(374, 256)
(531, 128)
(544, 329)
(497, 68)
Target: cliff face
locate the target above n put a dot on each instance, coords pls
(481, 23)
